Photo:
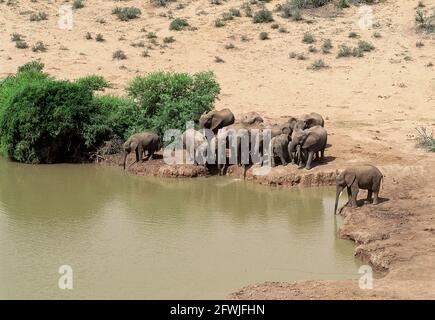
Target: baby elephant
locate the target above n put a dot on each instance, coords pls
(279, 149)
(366, 177)
(141, 142)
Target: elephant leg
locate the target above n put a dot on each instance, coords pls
(322, 155)
(309, 160)
(140, 151)
(272, 161)
(137, 155)
(300, 158)
(150, 155)
(349, 197)
(369, 196)
(354, 190)
(282, 158)
(376, 197)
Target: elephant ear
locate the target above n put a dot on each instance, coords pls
(309, 141)
(286, 130)
(349, 178)
(214, 124)
(310, 122)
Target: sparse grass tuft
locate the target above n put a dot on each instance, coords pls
(365, 46)
(119, 55)
(353, 35)
(425, 139)
(326, 46)
(219, 59)
(41, 15)
(78, 4)
(317, 65)
(264, 35)
(308, 38)
(99, 37)
(39, 47)
(229, 46)
(169, 39)
(21, 44)
(126, 13)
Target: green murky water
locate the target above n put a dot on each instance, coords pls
(132, 237)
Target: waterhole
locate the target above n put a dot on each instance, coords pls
(129, 237)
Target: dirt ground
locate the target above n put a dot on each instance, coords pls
(371, 104)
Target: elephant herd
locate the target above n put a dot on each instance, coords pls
(300, 141)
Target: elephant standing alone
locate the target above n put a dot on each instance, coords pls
(366, 177)
(141, 142)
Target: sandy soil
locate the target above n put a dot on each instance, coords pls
(372, 106)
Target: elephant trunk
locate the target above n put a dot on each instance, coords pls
(125, 154)
(337, 196)
(291, 150)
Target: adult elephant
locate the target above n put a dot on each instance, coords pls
(366, 177)
(309, 142)
(141, 142)
(306, 121)
(215, 120)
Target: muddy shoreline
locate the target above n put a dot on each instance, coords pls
(391, 237)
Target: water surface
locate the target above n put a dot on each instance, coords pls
(147, 238)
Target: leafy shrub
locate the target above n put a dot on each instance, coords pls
(263, 16)
(46, 121)
(31, 66)
(94, 82)
(126, 13)
(178, 24)
(343, 4)
(169, 100)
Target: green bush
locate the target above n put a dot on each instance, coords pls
(43, 120)
(169, 100)
(46, 121)
(126, 13)
(94, 82)
(178, 24)
(32, 65)
(263, 16)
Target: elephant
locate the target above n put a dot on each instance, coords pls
(306, 121)
(365, 177)
(233, 137)
(251, 118)
(215, 120)
(309, 141)
(192, 138)
(279, 148)
(141, 142)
